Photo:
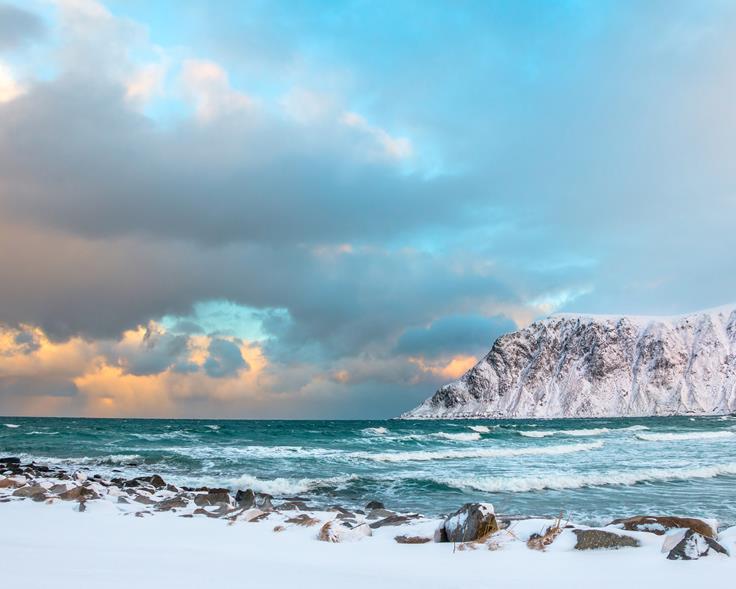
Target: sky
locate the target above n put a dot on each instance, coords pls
(262, 209)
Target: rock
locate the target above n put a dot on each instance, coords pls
(338, 509)
(78, 494)
(375, 505)
(341, 531)
(394, 520)
(657, 524)
(58, 489)
(473, 521)
(178, 502)
(131, 484)
(8, 483)
(143, 500)
(601, 539)
(263, 501)
(79, 476)
(293, 506)
(379, 513)
(303, 519)
(693, 545)
(214, 497)
(10, 460)
(82, 507)
(412, 539)
(246, 499)
(38, 497)
(157, 482)
(29, 491)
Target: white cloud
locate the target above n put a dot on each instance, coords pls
(207, 85)
(9, 86)
(393, 147)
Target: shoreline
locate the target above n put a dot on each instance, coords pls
(37, 497)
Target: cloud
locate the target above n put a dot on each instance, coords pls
(18, 27)
(224, 359)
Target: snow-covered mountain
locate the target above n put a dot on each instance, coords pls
(600, 366)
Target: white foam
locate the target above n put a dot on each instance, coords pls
(686, 436)
(481, 429)
(213, 427)
(577, 481)
(427, 455)
(375, 431)
(11, 425)
(284, 487)
(461, 437)
(580, 432)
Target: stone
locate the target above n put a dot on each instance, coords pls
(394, 520)
(693, 546)
(603, 540)
(29, 491)
(303, 519)
(658, 524)
(78, 494)
(379, 513)
(473, 521)
(340, 531)
(246, 499)
(8, 460)
(142, 499)
(178, 502)
(293, 506)
(216, 497)
(375, 505)
(412, 539)
(157, 482)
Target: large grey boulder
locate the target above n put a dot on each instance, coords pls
(473, 521)
(661, 524)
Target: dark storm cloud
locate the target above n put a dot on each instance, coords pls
(458, 334)
(18, 27)
(224, 359)
(37, 386)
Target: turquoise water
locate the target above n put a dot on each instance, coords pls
(590, 470)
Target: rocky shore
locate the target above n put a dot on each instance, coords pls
(472, 527)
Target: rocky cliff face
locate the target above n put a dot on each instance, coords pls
(600, 366)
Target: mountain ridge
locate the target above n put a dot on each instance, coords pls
(583, 365)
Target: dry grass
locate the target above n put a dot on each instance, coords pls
(541, 541)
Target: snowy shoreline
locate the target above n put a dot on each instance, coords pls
(122, 531)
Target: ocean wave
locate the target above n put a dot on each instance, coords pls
(108, 460)
(580, 432)
(11, 425)
(481, 429)
(213, 427)
(37, 433)
(578, 481)
(285, 486)
(461, 437)
(427, 455)
(244, 452)
(685, 436)
(163, 436)
(375, 431)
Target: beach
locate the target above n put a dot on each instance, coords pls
(62, 529)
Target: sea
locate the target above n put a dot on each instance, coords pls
(587, 470)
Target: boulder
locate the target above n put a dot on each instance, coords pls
(661, 524)
(293, 506)
(178, 502)
(78, 494)
(29, 491)
(246, 499)
(156, 481)
(473, 521)
(603, 540)
(692, 546)
(214, 497)
(379, 513)
(10, 460)
(375, 505)
(394, 520)
(338, 531)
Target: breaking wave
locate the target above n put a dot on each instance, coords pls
(426, 455)
(11, 425)
(481, 429)
(580, 432)
(285, 486)
(578, 481)
(461, 437)
(686, 436)
(375, 431)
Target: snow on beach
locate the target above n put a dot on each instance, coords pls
(207, 537)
